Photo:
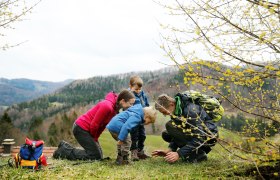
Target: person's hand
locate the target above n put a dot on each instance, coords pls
(159, 153)
(120, 142)
(171, 157)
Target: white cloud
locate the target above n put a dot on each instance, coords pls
(80, 39)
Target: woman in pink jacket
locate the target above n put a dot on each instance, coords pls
(89, 126)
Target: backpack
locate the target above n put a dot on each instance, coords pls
(210, 104)
(31, 155)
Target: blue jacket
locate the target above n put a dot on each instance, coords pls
(126, 120)
(141, 98)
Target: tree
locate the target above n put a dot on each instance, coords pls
(6, 126)
(36, 135)
(230, 48)
(6, 118)
(53, 134)
(52, 130)
(35, 122)
(12, 11)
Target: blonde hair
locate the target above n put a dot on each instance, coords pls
(151, 113)
(136, 80)
(163, 101)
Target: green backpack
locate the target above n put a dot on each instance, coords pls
(210, 104)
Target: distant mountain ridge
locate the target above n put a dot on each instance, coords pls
(86, 92)
(51, 116)
(14, 91)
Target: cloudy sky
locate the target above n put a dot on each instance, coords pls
(71, 39)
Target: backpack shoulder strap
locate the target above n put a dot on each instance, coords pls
(178, 107)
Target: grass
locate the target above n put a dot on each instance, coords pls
(109, 144)
(218, 166)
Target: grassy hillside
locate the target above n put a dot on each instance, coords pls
(218, 166)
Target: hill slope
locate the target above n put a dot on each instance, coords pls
(59, 109)
(20, 90)
(89, 91)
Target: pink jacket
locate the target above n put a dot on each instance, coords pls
(95, 120)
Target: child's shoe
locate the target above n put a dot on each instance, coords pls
(126, 160)
(134, 156)
(142, 155)
(119, 160)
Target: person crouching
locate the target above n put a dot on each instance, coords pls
(123, 123)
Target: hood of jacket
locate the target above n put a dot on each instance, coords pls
(138, 109)
(112, 97)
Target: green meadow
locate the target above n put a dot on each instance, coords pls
(220, 165)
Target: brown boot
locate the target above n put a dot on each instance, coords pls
(134, 156)
(142, 155)
(119, 160)
(126, 160)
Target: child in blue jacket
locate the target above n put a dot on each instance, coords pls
(138, 135)
(122, 124)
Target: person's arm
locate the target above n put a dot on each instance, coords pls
(173, 146)
(184, 152)
(160, 152)
(146, 100)
(131, 122)
(190, 147)
(169, 155)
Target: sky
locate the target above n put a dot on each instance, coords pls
(71, 39)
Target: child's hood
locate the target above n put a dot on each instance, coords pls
(138, 109)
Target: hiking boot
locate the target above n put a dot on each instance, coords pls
(141, 155)
(195, 158)
(122, 160)
(57, 153)
(126, 160)
(119, 160)
(64, 143)
(63, 151)
(201, 157)
(134, 156)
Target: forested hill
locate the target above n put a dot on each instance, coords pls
(51, 116)
(60, 108)
(82, 92)
(19, 90)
